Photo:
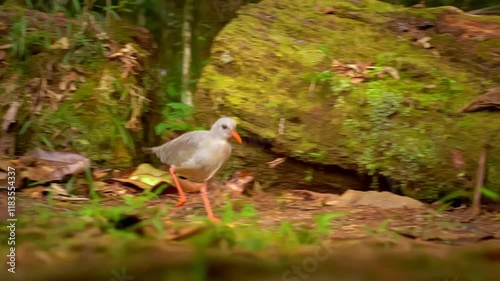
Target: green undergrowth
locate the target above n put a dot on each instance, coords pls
(97, 227)
(92, 118)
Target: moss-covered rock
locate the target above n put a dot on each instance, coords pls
(273, 63)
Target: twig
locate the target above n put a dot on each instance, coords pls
(484, 11)
(108, 12)
(481, 169)
(187, 96)
(311, 88)
(281, 128)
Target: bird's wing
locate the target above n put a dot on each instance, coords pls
(223, 154)
(180, 149)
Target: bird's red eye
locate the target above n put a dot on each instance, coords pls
(224, 126)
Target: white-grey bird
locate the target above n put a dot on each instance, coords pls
(198, 155)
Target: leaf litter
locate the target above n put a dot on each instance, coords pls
(400, 229)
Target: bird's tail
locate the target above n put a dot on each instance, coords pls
(148, 150)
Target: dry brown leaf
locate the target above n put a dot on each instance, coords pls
(58, 189)
(10, 116)
(116, 189)
(424, 42)
(146, 176)
(67, 79)
(5, 164)
(5, 46)
(3, 54)
(61, 44)
(125, 73)
(54, 99)
(276, 162)
(72, 88)
(7, 144)
(50, 165)
(186, 232)
(240, 181)
(329, 10)
(35, 192)
(391, 71)
(356, 80)
(354, 67)
(56, 134)
(458, 159)
(489, 100)
(99, 174)
(70, 198)
(137, 102)
(363, 66)
(336, 63)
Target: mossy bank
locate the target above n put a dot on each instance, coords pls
(80, 85)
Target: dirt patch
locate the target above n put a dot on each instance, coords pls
(468, 29)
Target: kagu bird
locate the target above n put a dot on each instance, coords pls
(198, 155)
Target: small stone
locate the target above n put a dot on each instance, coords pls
(385, 200)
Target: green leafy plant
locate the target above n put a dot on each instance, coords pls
(382, 228)
(124, 6)
(490, 194)
(18, 37)
(174, 114)
(316, 77)
(340, 84)
(309, 175)
(69, 184)
(317, 156)
(324, 221)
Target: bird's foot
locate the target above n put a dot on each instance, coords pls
(214, 219)
(180, 202)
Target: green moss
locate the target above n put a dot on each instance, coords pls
(90, 120)
(403, 129)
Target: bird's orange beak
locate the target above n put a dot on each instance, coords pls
(235, 136)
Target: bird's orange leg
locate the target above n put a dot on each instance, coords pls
(206, 202)
(182, 196)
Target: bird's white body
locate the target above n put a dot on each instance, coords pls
(195, 155)
(198, 156)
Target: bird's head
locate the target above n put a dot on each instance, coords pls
(225, 128)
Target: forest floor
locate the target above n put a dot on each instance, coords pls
(278, 235)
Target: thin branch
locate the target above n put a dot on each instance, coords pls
(484, 11)
(187, 96)
(481, 171)
(108, 11)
